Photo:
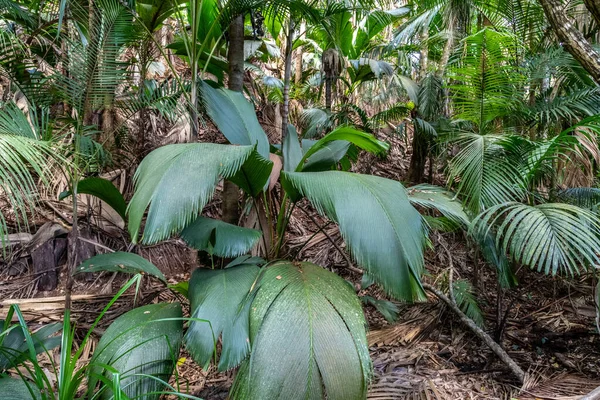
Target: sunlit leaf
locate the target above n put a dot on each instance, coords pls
(177, 181)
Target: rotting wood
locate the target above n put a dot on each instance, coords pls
(495, 347)
(50, 308)
(44, 266)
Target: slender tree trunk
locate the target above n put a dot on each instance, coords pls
(446, 55)
(286, 79)
(594, 7)
(420, 144)
(531, 101)
(298, 77)
(328, 84)
(235, 56)
(572, 39)
(88, 111)
(144, 56)
(424, 55)
(420, 147)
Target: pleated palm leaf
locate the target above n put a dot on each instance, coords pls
(551, 237)
(177, 181)
(24, 165)
(95, 71)
(383, 232)
(485, 89)
(584, 197)
(481, 174)
(308, 337)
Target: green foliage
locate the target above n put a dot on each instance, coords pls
(24, 163)
(466, 301)
(220, 238)
(386, 308)
(218, 301)
(304, 322)
(14, 348)
(486, 82)
(120, 261)
(439, 199)
(584, 197)
(550, 237)
(18, 389)
(104, 190)
(360, 139)
(384, 233)
(484, 177)
(141, 347)
(192, 171)
(235, 118)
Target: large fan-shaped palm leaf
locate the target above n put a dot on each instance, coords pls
(307, 331)
(550, 237)
(383, 231)
(177, 181)
(143, 347)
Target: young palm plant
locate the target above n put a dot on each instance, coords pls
(285, 311)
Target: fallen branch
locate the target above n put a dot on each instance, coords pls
(487, 339)
(593, 395)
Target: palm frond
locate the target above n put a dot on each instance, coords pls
(439, 199)
(551, 237)
(217, 306)
(142, 345)
(584, 197)
(306, 323)
(466, 301)
(177, 181)
(481, 173)
(384, 233)
(23, 161)
(486, 82)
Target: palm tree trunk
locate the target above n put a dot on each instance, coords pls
(298, 75)
(446, 55)
(286, 79)
(594, 7)
(424, 55)
(420, 147)
(328, 84)
(235, 56)
(572, 39)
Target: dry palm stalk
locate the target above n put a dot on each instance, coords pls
(495, 347)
